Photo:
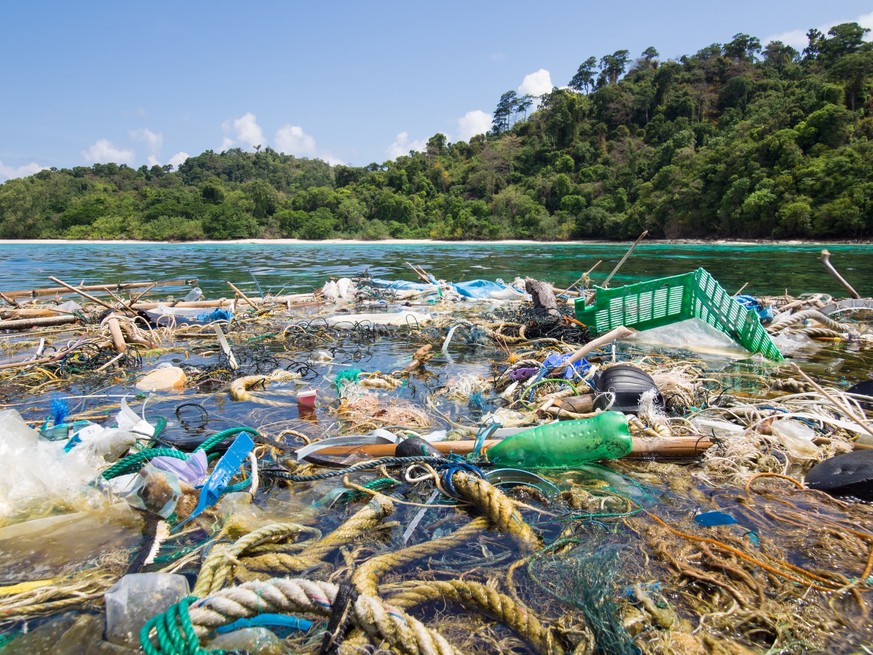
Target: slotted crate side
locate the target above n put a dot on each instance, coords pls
(643, 305)
(715, 306)
(667, 300)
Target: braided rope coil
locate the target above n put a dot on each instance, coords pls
(379, 620)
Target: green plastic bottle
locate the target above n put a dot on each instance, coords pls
(564, 444)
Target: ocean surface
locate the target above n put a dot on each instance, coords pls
(769, 269)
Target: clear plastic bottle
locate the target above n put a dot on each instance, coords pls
(565, 444)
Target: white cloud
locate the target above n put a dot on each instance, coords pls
(245, 130)
(797, 38)
(292, 140)
(178, 158)
(402, 146)
(226, 143)
(330, 159)
(154, 140)
(536, 84)
(104, 152)
(10, 172)
(153, 161)
(473, 123)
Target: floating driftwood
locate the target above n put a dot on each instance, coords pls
(40, 321)
(63, 290)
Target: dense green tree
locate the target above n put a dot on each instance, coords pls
(612, 66)
(585, 76)
(713, 144)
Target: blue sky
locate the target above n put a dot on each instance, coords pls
(351, 82)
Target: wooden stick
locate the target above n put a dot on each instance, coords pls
(9, 301)
(82, 293)
(741, 289)
(51, 291)
(244, 296)
(623, 259)
(121, 302)
(42, 321)
(642, 447)
(859, 420)
(618, 333)
(43, 360)
(825, 259)
(221, 302)
(134, 300)
(584, 275)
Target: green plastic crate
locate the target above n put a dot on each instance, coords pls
(671, 299)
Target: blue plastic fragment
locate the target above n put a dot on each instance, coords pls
(214, 315)
(268, 621)
(60, 410)
(222, 473)
(710, 519)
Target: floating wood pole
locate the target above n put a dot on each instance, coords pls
(825, 259)
(220, 302)
(42, 360)
(81, 293)
(9, 301)
(642, 447)
(53, 291)
(624, 259)
(40, 321)
(244, 296)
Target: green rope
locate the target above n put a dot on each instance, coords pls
(174, 633)
(213, 441)
(346, 376)
(133, 463)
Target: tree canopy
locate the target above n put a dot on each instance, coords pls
(737, 140)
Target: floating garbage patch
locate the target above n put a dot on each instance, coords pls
(430, 466)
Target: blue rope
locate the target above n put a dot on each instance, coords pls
(449, 469)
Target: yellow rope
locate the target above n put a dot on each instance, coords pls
(494, 504)
(478, 596)
(219, 566)
(360, 523)
(366, 577)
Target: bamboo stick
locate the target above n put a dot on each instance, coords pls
(244, 296)
(41, 360)
(81, 293)
(51, 291)
(221, 302)
(825, 259)
(41, 321)
(642, 447)
(624, 259)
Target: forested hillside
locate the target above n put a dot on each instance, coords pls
(736, 140)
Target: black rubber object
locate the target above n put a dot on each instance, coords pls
(864, 388)
(628, 383)
(414, 446)
(849, 474)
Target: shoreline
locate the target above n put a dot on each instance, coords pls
(414, 242)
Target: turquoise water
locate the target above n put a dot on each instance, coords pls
(295, 268)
